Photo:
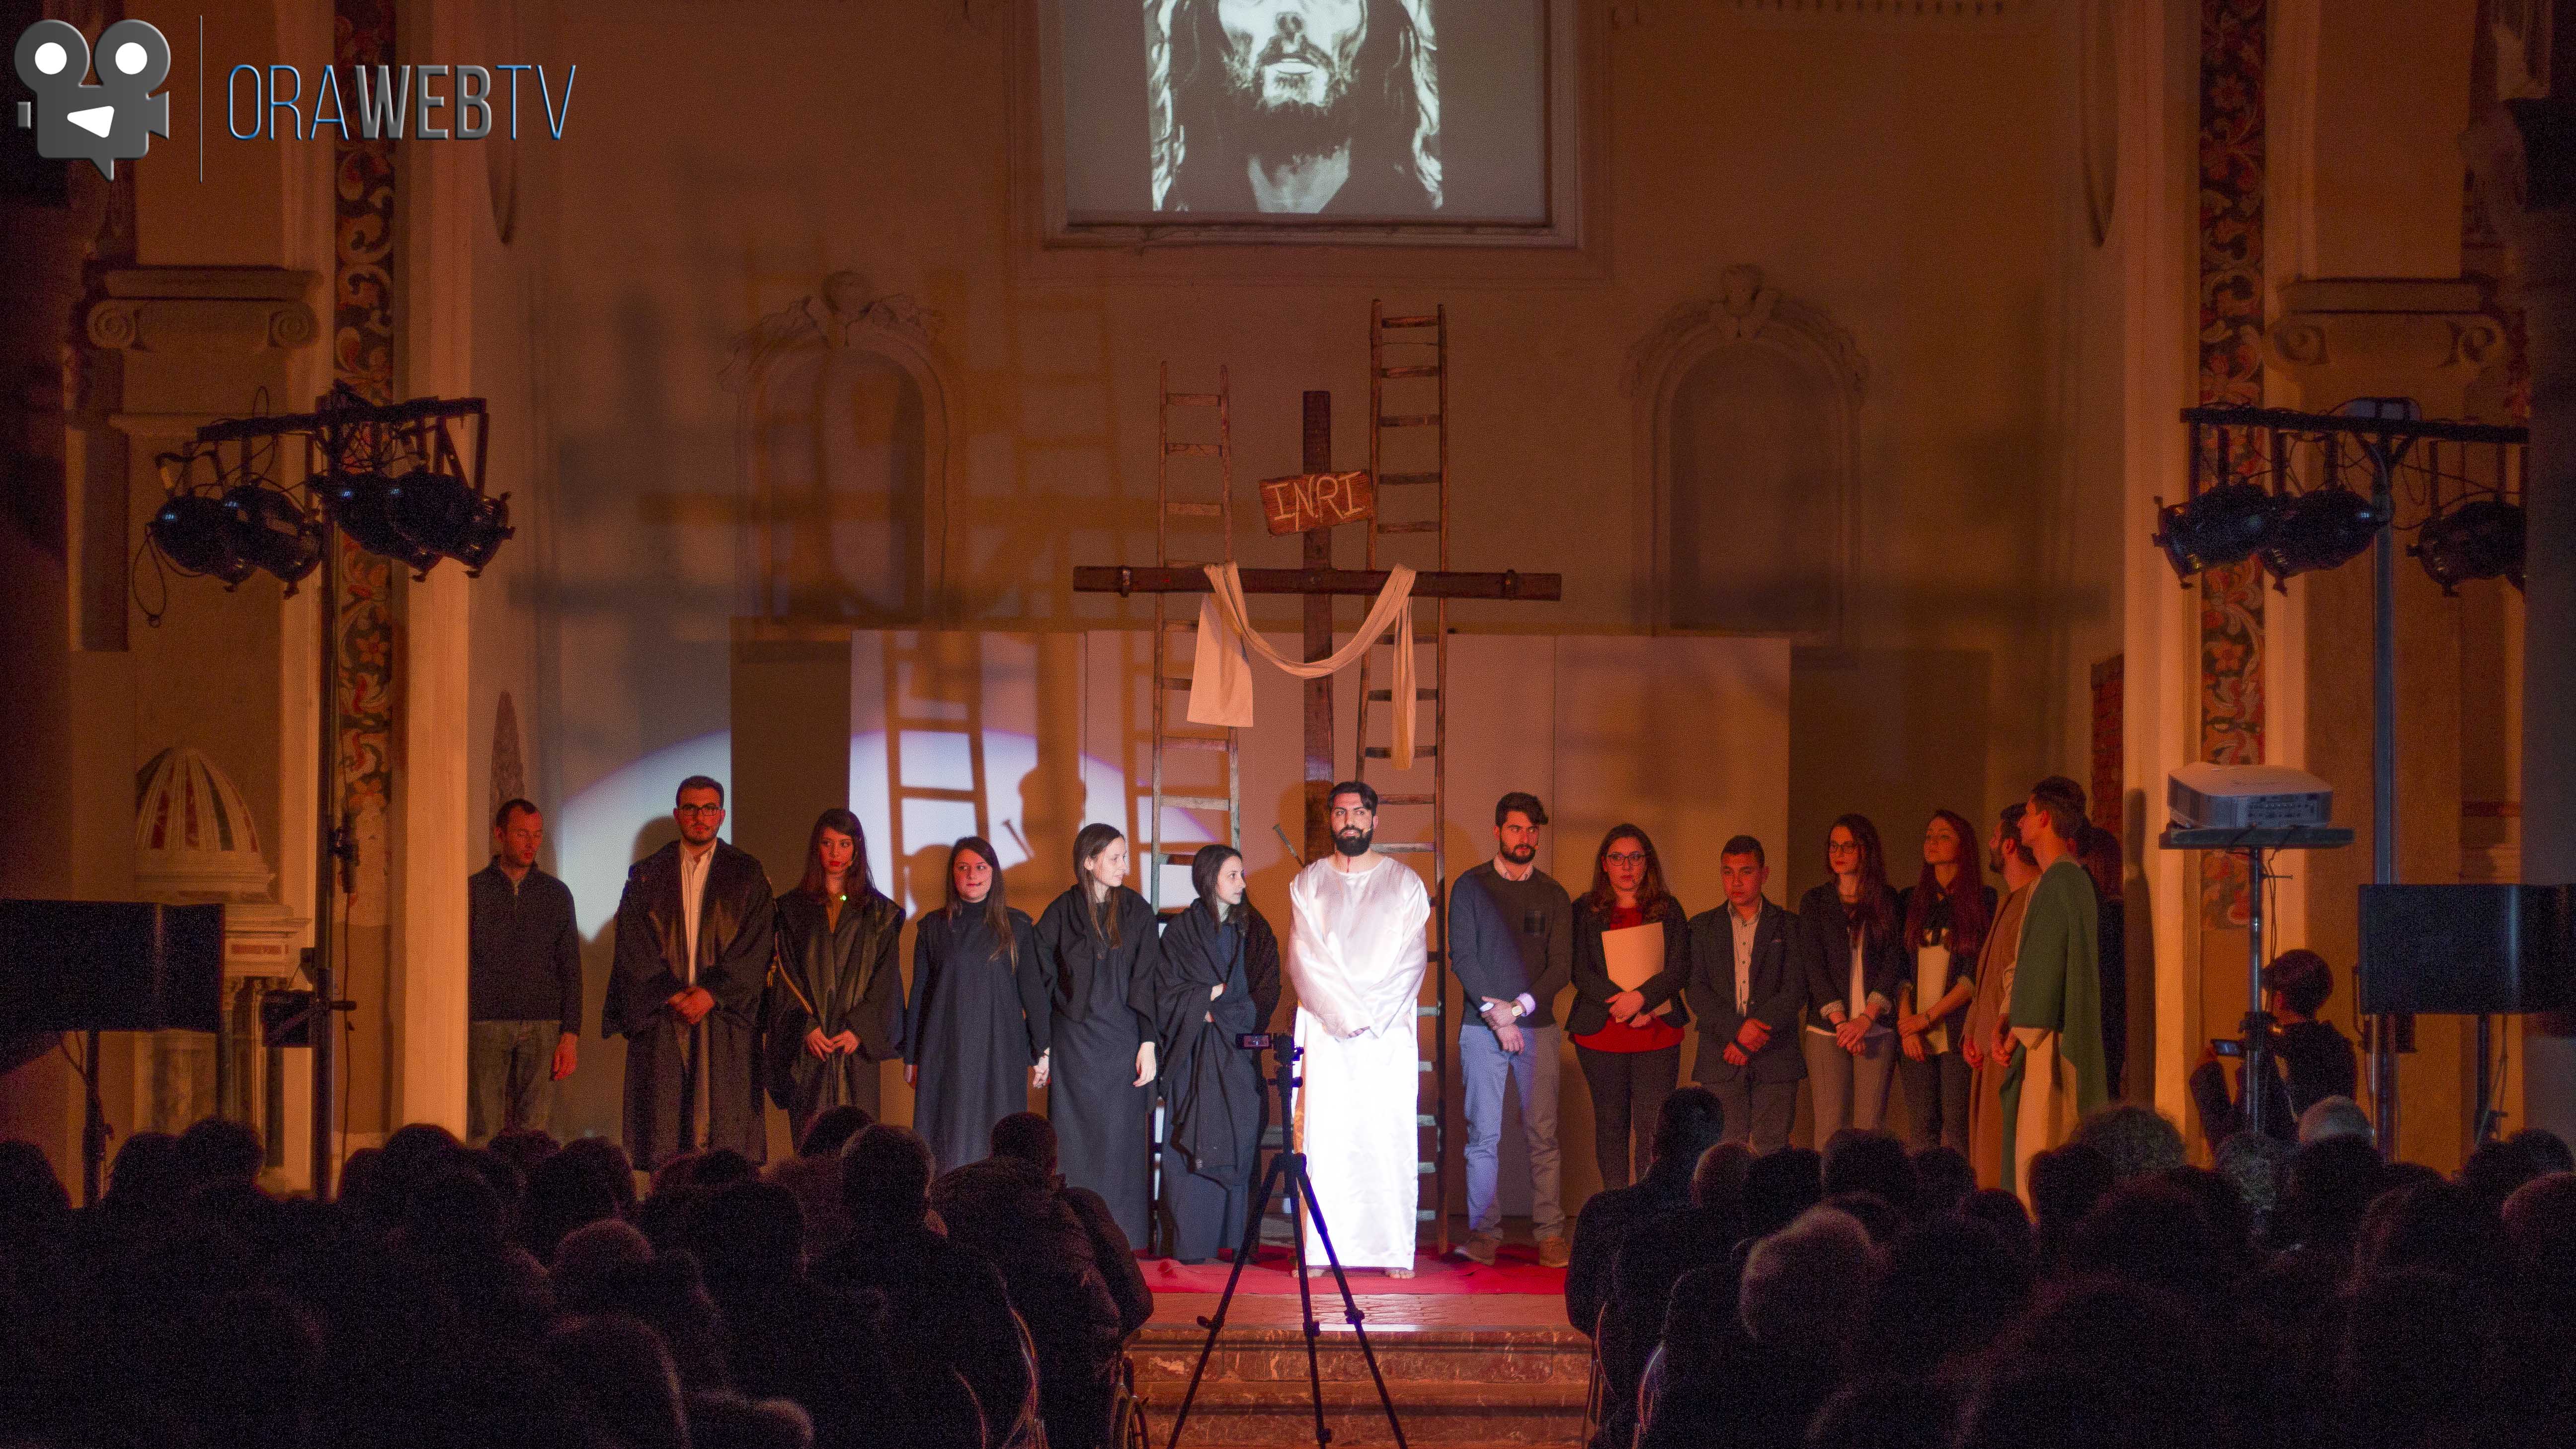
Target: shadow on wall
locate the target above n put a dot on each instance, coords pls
(1854, 744)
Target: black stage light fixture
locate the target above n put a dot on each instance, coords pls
(2480, 539)
(2222, 525)
(2322, 528)
(361, 503)
(439, 513)
(271, 531)
(196, 534)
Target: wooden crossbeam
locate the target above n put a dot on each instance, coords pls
(1130, 579)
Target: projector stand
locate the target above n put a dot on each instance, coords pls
(2254, 1089)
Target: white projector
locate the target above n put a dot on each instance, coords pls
(2247, 797)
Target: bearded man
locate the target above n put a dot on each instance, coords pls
(1356, 954)
(1318, 106)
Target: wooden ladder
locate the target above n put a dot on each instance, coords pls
(1418, 382)
(1168, 680)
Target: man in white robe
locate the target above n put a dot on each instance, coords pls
(1356, 954)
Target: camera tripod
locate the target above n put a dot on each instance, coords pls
(1288, 1171)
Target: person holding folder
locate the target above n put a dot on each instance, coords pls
(1631, 961)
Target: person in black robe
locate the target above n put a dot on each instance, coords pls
(1217, 979)
(975, 1022)
(835, 1007)
(693, 947)
(1096, 952)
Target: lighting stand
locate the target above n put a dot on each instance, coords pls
(1288, 1172)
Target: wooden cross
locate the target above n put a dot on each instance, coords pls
(1319, 582)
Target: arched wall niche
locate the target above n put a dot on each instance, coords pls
(1747, 407)
(843, 439)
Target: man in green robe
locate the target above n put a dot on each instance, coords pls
(2058, 1071)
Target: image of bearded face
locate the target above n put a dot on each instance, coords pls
(1290, 66)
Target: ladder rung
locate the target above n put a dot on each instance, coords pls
(1175, 681)
(1196, 742)
(1427, 319)
(937, 792)
(1179, 857)
(1403, 847)
(1428, 525)
(1425, 1119)
(1422, 1067)
(1409, 420)
(1424, 1215)
(1388, 696)
(1197, 802)
(1405, 800)
(1192, 399)
(1426, 1011)
(1405, 480)
(1427, 370)
(1425, 1169)
(1386, 752)
(1193, 450)
(1197, 510)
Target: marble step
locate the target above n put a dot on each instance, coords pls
(1449, 1413)
(1406, 1355)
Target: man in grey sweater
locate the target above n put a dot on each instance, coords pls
(1511, 941)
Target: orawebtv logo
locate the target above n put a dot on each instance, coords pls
(114, 120)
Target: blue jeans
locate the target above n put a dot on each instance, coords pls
(510, 1076)
(1485, 1067)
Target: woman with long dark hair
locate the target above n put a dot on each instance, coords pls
(1217, 979)
(975, 1025)
(1945, 916)
(1096, 951)
(835, 1006)
(1848, 946)
(1631, 960)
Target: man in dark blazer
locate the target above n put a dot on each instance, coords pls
(1746, 997)
(693, 946)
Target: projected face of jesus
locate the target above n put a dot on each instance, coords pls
(1291, 63)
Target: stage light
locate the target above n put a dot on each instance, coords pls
(2222, 525)
(2322, 528)
(269, 530)
(361, 503)
(2480, 539)
(441, 514)
(197, 536)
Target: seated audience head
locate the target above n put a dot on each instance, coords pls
(832, 1129)
(34, 1208)
(1026, 1137)
(2540, 1224)
(2546, 1148)
(216, 1150)
(885, 1178)
(2437, 1225)
(2106, 1364)
(596, 1250)
(2002, 1212)
(1780, 1185)
(1859, 1159)
(625, 1378)
(2496, 1169)
(2297, 984)
(2255, 1165)
(2139, 1140)
(2152, 1232)
(1875, 1214)
(748, 1232)
(1884, 1413)
(525, 1147)
(2334, 1117)
(2065, 1183)
(1802, 1285)
(1692, 1121)
(1941, 1294)
(1943, 1178)
(1717, 1184)
(608, 1163)
(2330, 1186)
(144, 1178)
(564, 1194)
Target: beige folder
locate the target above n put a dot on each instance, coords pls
(1634, 956)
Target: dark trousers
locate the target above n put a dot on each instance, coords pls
(1628, 1092)
(1758, 1114)
(665, 1073)
(1936, 1090)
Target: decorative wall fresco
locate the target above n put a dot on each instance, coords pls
(362, 350)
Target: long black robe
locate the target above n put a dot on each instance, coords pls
(1214, 1087)
(670, 1066)
(1100, 1003)
(974, 1023)
(853, 976)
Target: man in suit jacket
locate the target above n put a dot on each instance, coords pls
(693, 947)
(1746, 997)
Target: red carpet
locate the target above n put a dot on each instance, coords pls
(1516, 1271)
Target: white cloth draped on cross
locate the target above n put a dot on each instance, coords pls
(1221, 676)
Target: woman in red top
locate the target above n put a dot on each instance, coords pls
(1628, 1039)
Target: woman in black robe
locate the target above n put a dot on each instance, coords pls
(976, 1020)
(835, 1006)
(1096, 952)
(1218, 979)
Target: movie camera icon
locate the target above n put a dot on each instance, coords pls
(114, 120)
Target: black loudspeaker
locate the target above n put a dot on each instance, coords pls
(2467, 950)
(110, 966)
